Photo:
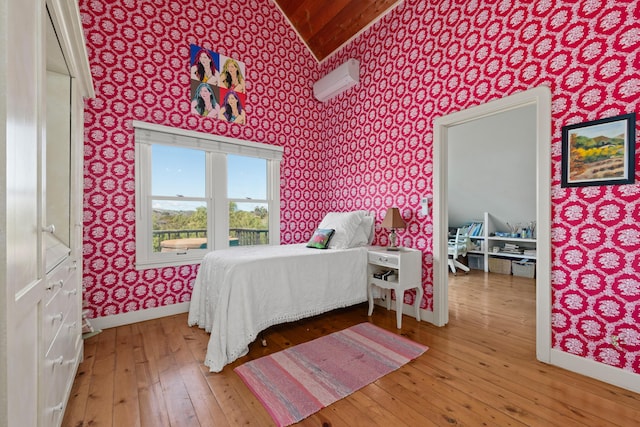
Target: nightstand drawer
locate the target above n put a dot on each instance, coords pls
(384, 259)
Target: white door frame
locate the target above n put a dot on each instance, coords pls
(541, 98)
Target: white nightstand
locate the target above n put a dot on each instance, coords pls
(406, 264)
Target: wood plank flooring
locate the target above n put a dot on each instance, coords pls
(480, 370)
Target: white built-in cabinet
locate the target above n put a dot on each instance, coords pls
(489, 245)
(42, 91)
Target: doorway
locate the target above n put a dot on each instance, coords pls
(540, 99)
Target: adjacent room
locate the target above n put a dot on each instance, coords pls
(431, 208)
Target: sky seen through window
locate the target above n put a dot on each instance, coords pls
(180, 172)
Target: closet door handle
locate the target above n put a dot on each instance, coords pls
(52, 285)
(49, 229)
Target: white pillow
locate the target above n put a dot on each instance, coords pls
(364, 234)
(346, 225)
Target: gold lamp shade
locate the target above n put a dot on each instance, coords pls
(393, 220)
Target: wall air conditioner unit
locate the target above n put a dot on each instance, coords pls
(342, 78)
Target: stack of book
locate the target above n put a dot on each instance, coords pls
(388, 275)
(530, 252)
(510, 248)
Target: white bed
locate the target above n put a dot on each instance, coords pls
(240, 292)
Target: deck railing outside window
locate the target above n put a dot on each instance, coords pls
(237, 237)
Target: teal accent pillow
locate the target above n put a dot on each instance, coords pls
(320, 238)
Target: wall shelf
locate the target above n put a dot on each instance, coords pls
(488, 241)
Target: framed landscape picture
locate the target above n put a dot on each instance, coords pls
(600, 152)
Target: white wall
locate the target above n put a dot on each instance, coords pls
(492, 168)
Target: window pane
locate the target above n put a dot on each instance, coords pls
(177, 171)
(246, 177)
(179, 227)
(248, 224)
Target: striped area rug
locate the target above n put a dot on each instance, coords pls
(299, 381)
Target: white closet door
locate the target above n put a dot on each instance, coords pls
(22, 36)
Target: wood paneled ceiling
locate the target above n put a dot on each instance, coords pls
(326, 25)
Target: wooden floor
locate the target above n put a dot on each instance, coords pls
(480, 370)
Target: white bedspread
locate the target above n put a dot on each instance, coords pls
(240, 292)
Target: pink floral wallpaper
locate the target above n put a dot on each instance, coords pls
(430, 59)
(139, 56)
(372, 147)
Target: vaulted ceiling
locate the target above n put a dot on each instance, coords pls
(327, 25)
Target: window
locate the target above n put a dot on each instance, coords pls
(197, 192)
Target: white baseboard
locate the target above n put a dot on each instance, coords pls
(183, 307)
(600, 371)
(425, 315)
(138, 316)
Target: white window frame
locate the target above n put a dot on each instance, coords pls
(216, 149)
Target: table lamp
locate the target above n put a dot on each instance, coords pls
(393, 220)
